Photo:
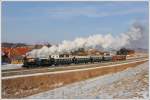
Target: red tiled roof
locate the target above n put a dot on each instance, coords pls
(16, 51)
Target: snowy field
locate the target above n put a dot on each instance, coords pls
(130, 83)
(11, 66)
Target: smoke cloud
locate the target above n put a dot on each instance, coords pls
(104, 41)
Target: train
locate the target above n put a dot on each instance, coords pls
(38, 62)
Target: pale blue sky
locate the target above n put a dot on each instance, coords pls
(34, 22)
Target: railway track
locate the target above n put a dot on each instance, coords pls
(7, 73)
(73, 70)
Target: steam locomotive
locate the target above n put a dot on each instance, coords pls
(37, 62)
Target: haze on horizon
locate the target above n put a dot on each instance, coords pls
(53, 22)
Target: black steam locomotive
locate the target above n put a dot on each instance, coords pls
(51, 61)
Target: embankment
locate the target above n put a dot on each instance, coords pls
(24, 86)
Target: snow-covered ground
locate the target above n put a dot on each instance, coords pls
(10, 66)
(130, 83)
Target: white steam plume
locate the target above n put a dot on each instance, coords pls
(105, 41)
